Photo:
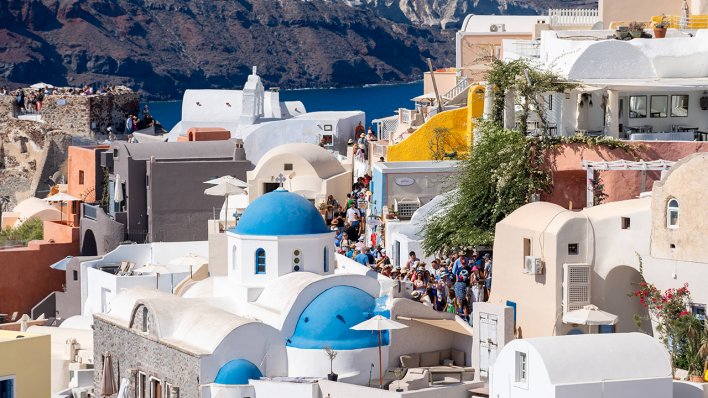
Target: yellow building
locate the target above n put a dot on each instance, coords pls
(428, 140)
(25, 365)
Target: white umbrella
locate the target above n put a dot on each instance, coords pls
(157, 269)
(61, 264)
(590, 315)
(225, 189)
(684, 15)
(379, 323)
(191, 260)
(41, 85)
(231, 180)
(118, 191)
(61, 197)
(425, 97)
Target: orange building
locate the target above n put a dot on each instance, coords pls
(206, 134)
(85, 179)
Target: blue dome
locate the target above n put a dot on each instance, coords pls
(281, 213)
(238, 371)
(328, 319)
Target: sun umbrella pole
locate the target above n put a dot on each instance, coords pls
(157, 283)
(226, 214)
(380, 372)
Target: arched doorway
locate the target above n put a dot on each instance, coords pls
(88, 244)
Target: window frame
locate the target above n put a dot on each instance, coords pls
(13, 384)
(288, 167)
(151, 379)
(326, 264)
(671, 107)
(264, 261)
(666, 109)
(646, 105)
(626, 223)
(521, 369)
(143, 392)
(81, 177)
(669, 210)
(577, 249)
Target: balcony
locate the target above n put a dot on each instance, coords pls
(573, 17)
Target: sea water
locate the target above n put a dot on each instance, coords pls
(375, 101)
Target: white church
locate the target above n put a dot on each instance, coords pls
(263, 121)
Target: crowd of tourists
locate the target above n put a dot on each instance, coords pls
(30, 100)
(360, 144)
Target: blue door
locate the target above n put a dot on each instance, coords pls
(6, 389)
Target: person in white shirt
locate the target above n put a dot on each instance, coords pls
(3, 91)
(351, 212)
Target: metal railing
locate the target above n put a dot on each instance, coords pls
(90, 211)
(569, 17)
(386, 127)
(137, 235)
(527, 48)
(405, 115)
(461, 86)
(687, 23)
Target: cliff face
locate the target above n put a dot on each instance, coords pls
(161, 47)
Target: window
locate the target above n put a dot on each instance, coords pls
(146, 320)
(327, 127)
(297, 260)
(326, 267)
(672, 214)
(233, 258)
(147, 181)
(549, 102)
(527, 251)
(168, 391)
(7, 387)
(115, 153)
(625, 223)
(606, 329)
(288, 166)
(81, 177)
(327, 140)
(637, 106)
(572, 249)
(679, 106)
(76, 275)
(659, 105)
(142, 385)
(260, 261)
(521, 368)
(155, 388)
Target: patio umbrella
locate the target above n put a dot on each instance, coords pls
(590, 315)
(379, 323)
(118, 191)
(191, 260)
(61, 264)
(425, 97)
(157, 269)
(61, 197)
(225, 189)
(231, 180)
(41, 85)
(108, 382)
(684, 15)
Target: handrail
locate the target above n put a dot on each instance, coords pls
(463, 84)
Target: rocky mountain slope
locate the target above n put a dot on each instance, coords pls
(161, 47)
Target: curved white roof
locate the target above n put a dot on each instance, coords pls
(192, 324)
(533, 216)
(35, 207)
(597, 357)
(324, 163)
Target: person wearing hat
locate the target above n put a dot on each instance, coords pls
(350, 142)
(352, 249)
(396, 273)
(416, 295)
(387, 270)
(370, 136)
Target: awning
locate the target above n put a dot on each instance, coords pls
(457, 325)
(425, 97)
(590, 315)
(61, 264)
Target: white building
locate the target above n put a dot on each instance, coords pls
(620, 365)
(263, 121)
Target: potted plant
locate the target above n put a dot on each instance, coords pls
(636, 29)
(322, 207)
(622, 32)
(390, 214)
(331, 354)
(660, 28)
(399, 372)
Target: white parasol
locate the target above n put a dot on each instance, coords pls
(225, 189)
(590, 315)
(191, 260)
(231, 180)
(379, 323)
(61, 197)
(41, 85)
(118, 191)
(157, 269)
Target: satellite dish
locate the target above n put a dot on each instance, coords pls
(493, 28)
(598, 26)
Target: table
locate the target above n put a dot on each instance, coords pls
(445, 370)
(479, 392)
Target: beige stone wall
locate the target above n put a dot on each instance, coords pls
(30, 153)
(7, 107)
(687, 181)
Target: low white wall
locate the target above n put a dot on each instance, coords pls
(352, 366)
(266, 388)
(344, 390)
(227, 391)
(687, 389)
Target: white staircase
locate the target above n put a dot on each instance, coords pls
(460, 87)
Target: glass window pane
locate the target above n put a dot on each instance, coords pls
(659, 105)
(637, 106)
(679, 106)
(673, 217)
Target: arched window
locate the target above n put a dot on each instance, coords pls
(233, 258)
(260, 261)
(297, 260)
(326, 267)
(672, 214)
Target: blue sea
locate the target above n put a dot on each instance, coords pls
(375, 101)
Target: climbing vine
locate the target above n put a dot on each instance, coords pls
(104, 198)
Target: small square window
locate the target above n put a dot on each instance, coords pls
(76, 275)
(522, 369)
(115, 153)
(572, 248)
(327, 127)
(625, 222)
(288, 166)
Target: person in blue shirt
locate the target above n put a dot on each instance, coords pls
(363, 258)
(459, 262)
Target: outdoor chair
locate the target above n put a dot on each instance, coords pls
(13, 318)
(49, 322)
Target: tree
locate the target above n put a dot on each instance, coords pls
(442, 142)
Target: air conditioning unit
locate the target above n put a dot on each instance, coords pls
(533, 265)
(576, 286)
(497, 27)
(406, 207)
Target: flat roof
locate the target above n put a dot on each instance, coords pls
(326, 115)
(413, 167)
(6, 335)
(670, 83)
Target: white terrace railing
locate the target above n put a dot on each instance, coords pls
(527, 48)
(568, 17)
(455, 91)
(386, 126)
(690, 22)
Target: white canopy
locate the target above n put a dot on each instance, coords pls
(224, 189)
(41, 85)
(61, 197)
(425, 97)
(190, 259)
(229, 179)
(379, 323)
(590, 315)
(61, 264)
